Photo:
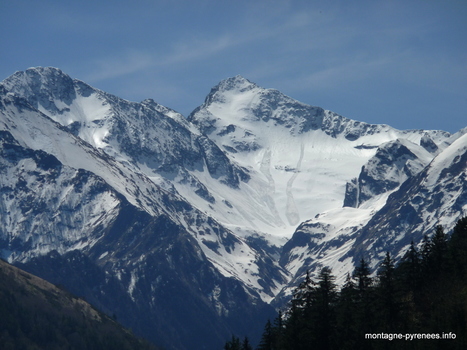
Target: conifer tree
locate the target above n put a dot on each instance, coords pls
(458, 248)
(439, 248)
(294, 326)
(346, 311)
(425, 251)
(387, 304)
(246, 344)
(408, 282)
(302, 295)
(364, 315)
(323, 317)
(279, 332)
(298, 335)
(409, 269)
(267, 339)
(362, 274)
(233, 344)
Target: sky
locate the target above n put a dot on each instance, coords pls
(402, 63)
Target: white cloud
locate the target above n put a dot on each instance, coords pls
(113, 67)
(193, 47)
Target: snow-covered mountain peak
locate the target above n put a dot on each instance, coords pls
(240, 103)
(41, 86)
(296, 151)
(240, 116)
(234, 84)
(36, 77)
(68, 101)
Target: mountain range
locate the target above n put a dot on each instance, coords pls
(190, 229)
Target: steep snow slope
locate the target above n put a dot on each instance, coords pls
(49, 206)
(388, 222)
(299, 157)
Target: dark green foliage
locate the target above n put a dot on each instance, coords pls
(267, 339)
(409, 270)
(387, 301)
(458, 248)
(346, 325)
(426, 293)
(235, 344)
(246, 344)
(323, 310)
(437, 260)
(279, 331)
(362, 275)
(298, 332)
(37, 315)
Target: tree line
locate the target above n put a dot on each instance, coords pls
(418, 303)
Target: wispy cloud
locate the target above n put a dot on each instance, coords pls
(198, 48)
(133, 61)
(193, 47)
(127, 63)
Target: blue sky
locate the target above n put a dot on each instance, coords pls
(402, 63)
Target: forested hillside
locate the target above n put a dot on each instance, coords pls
(37, 315)
(421, 303)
